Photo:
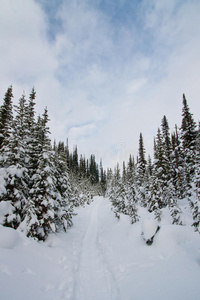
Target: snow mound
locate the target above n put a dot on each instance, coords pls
(8, 237)
(102, 258)
(6, 208)
(149, 228)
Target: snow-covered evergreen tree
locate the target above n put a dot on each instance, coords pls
(190, 145)
(177, 161)
(48, 207)
(32, 137)
(39, 209)
(141, 165)
(12, 159)
(158, 188)
(141, 177)
(64, 206)
(117, 193)
(15, 165)
(170, 174)
(155, 200)
(6, 119)
(103, 181)
(166, 138)
(188, 139)
(131, 200)
(173, 205)
(195, 189)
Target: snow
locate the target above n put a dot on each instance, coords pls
(9, 237)
(2, 181)
(149, 228)
(5, 208)
(101, 257)
(15, 171)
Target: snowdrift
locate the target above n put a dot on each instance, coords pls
(102, 258)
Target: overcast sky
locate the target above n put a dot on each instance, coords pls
(106, 69)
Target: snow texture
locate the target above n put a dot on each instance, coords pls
(149, 228)
(101, 257)
(8, 237)
(6, 208)
(2, 181)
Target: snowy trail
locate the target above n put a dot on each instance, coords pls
(94, 278)
(101, 258)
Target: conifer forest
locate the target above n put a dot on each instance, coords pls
(42, 182)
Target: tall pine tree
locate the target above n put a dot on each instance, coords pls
(188, 139)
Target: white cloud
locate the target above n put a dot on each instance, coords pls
(136, 85)
(26, 57)
(78, 132)
(25, 53)
(104, 82)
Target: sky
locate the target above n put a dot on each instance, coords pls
(106, 70)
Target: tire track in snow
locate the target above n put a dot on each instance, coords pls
(94, 279)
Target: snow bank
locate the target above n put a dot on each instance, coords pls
(8, 237)
(2, 181)
(101, 257)
(149, 228)
(6, 208)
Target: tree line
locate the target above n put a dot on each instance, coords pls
(173, 175)
(40, 184)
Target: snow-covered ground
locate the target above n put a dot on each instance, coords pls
(102, 258)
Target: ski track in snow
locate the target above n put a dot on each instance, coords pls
(94, 278)
(101, 258)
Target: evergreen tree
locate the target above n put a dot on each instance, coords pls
(141, 166)
(158, 187)
(117, 193)
(166, 138)
(16, 170)
(177, 164)
(82, 167)
(124, 173)
(155, 197)
(188, 138)
(48, 207)
(171, 171)
(6, 118)
(109, 179)
(75, 166)
(67, 155)
(11, 162)
(141, 173)
(93, 170)
(38, 211)
(163, 165)
(131, 199)
(130, 171)
(149, 166)
(32, 138)
(195, 191)
(173, 206)
(103, 181)
(63, 197)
